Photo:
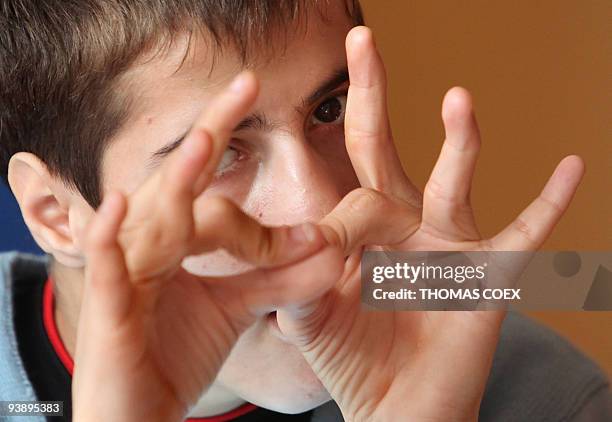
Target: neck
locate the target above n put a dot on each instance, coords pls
(68, 291)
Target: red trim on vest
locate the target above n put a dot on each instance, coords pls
(66, 359)
(51, 328)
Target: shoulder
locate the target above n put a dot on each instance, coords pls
(20, 265)
(14, 268)
(537, 375)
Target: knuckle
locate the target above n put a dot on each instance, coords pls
(172, 234)
(363, 139)
(339, 231)
(364, 199)
(524, 229)
(267, 247)
(185, 232)
(220, 208)
(436, 191)
(167, 232)
(160, 220)
(554, 206)
(356, 134)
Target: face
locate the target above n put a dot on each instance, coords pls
(285, 164)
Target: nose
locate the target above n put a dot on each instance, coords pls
(296, 185)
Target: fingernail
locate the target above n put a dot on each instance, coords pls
(304, 233)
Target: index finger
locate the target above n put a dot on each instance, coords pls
(214, 126)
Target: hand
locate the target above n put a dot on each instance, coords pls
(151, 336)
(414, 366)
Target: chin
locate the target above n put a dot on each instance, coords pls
(271, 373)
(290, 398)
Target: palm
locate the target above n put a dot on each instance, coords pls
(173, 340)
(411, 353)
(369, 359)
(190, 334)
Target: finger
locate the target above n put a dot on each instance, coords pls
(107, 288)
(533, 226)
(367, 129)
(192, 167)
(446, 205)
(219, 223)
(267, 289)
(177, 190)
(184, 168)
(368, 217)
(222, 117)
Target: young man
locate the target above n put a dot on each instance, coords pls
(173, 298)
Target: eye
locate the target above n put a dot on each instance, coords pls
(331, 111)
(230, 156)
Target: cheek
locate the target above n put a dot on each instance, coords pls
(332, 148)
(235, 186)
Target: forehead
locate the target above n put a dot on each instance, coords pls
(198, 60)
(167, 91)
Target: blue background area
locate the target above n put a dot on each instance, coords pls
(14, 235)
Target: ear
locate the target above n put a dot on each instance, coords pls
(51, 210)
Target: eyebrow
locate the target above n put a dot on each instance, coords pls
(259, 121)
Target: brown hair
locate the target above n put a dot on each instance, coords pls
(60, 61)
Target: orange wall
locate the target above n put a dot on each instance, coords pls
(540, 74)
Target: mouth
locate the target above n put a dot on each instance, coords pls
(272, 323)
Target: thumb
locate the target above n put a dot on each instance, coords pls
(292, 286)
(220, 223)
(369, 217)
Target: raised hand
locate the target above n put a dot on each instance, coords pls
(392, 366)
(151, 336)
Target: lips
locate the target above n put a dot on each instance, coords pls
(272, 323)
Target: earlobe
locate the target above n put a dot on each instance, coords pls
(45, 206)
